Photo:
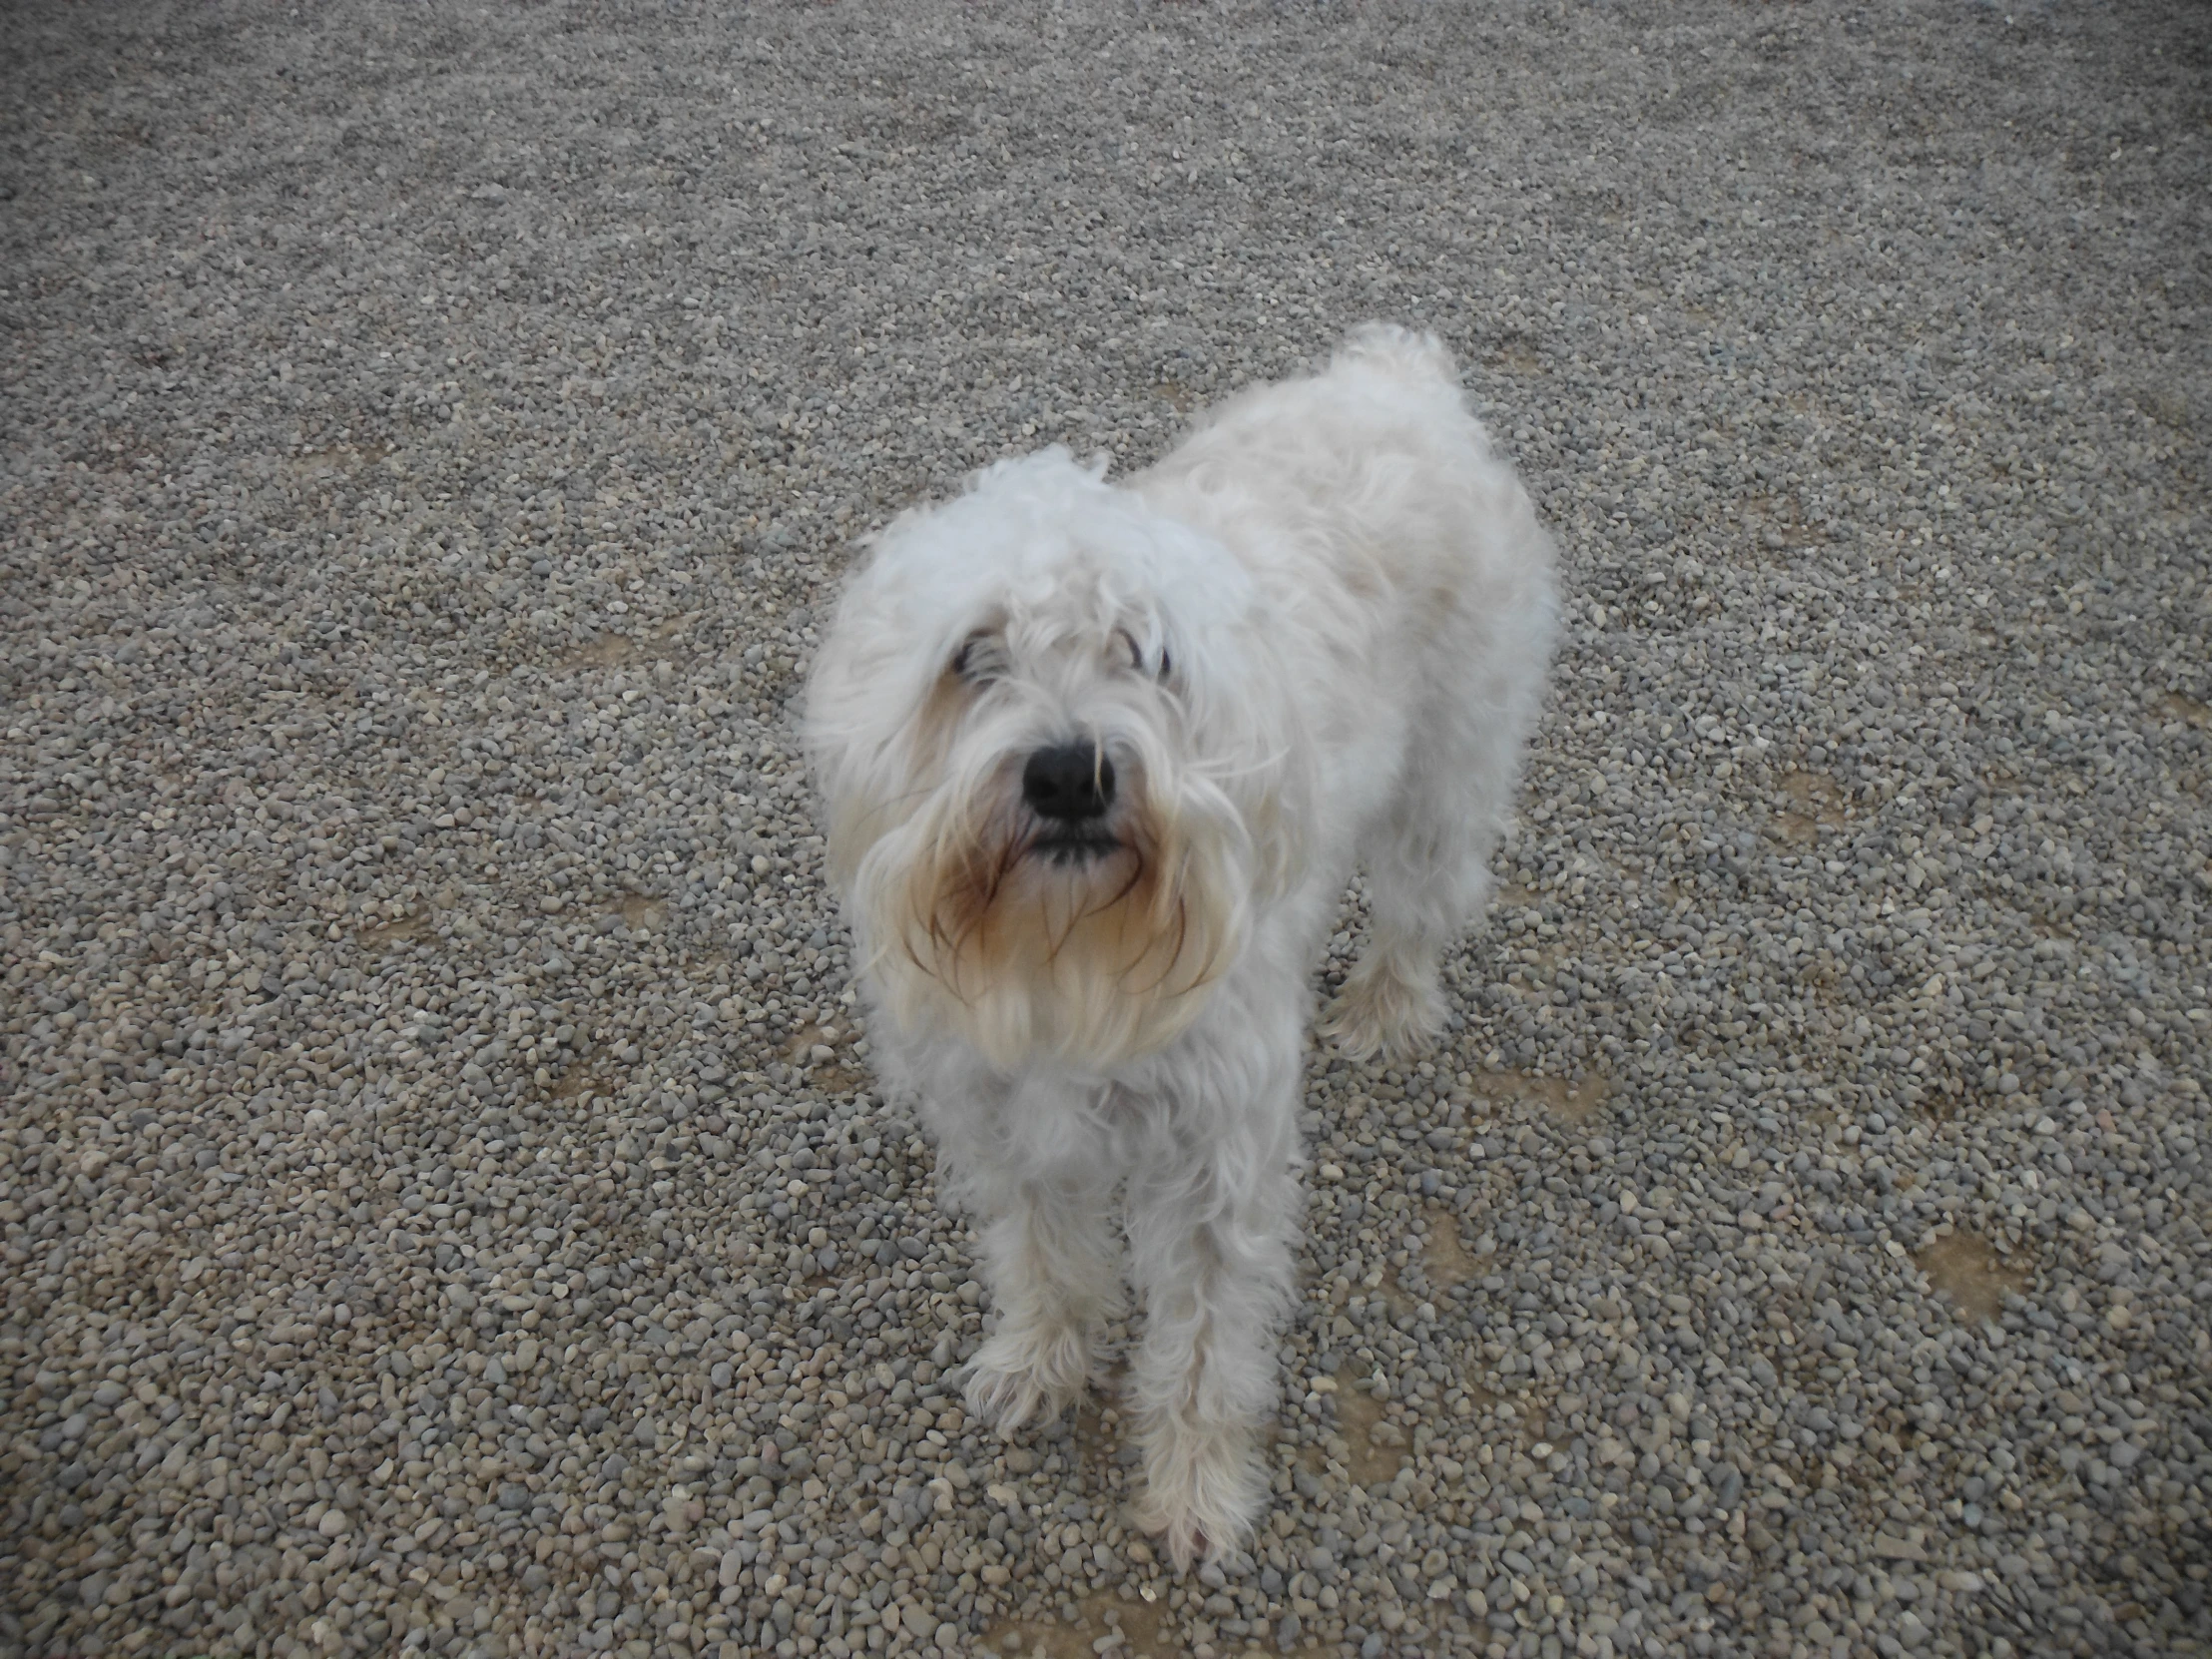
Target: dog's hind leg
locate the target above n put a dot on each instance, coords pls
(1052, 1260)
(1210, 1249)
(1428, 856)
(1390, 1003)
(1427, 876)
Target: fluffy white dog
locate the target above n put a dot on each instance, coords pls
(1099, 760)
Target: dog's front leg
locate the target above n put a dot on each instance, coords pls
(1210, 1251)
(1055, 1277)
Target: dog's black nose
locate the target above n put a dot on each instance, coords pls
(1069, 782)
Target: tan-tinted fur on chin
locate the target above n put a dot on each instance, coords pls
(1097, 965)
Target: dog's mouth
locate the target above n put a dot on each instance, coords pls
(1067, 847)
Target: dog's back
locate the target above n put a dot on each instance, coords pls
(1373, 473)
(1369, 504)
(1405, 566)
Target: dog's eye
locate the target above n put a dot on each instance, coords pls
(1158, 671)
(974, 662)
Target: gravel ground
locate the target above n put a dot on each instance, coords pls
(444, 1202)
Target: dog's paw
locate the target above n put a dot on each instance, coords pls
(1202, 1491)
(1030, 1376)
(1381, 1012)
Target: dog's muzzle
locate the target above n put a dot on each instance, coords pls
(1071, 788)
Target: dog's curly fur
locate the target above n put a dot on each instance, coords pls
(1313, 635)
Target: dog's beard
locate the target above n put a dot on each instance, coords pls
(1090, 947)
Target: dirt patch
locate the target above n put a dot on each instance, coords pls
(388, 934)
(821, 1050)
(607, 651)
(829, 1037)
(2168, 405)
(1964, 1267)
(1142, 1625)
(615, 650)
(2187, 710)
(642, 915)
(1772, 522)
(1514, 896)
(339, 461)
(580, 1079)
(1515, 354)
(838, 1080)
(1817, 803)
(1445, 1257)
(1096, 1438)
(1570, 1100)
(1374, 1446)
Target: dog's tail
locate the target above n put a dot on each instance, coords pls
(1404, 352)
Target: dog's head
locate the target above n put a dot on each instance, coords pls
(1055, 764)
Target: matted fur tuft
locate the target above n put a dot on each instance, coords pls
(1314, 634)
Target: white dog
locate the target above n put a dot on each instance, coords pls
(1099, 760)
